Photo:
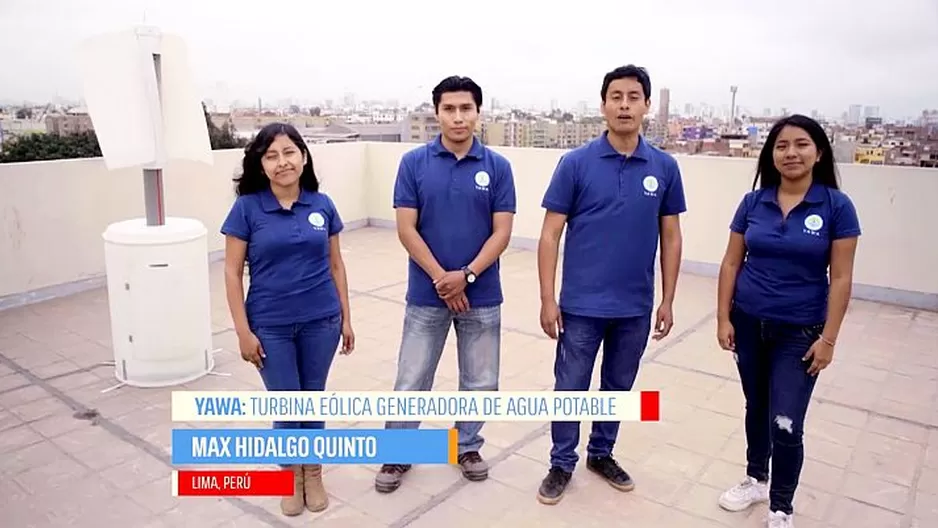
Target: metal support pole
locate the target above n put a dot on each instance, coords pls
(153, 196)
(153, 178)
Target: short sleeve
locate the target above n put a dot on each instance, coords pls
(561, 190)
(741, 218)
(405, 186)
(335, 219)
(673, 202)
(236, 223)
(846, 223)
(505, 195)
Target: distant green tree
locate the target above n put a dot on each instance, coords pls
(224, 137)
(45, 147)
(24, 113)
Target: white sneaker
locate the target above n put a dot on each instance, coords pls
(744, 495)
(779, 519)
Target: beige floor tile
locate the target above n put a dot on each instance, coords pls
(871, 435)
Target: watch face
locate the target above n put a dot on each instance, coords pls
(471, 278)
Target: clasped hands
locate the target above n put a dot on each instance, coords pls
(451, 287)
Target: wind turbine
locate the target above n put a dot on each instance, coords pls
(146, 113)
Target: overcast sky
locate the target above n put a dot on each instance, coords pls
(799, 54)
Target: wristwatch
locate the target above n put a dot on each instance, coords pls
(470, 276)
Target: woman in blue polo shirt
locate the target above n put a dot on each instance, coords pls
(777, 310)
(297, 307)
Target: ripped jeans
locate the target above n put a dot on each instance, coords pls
(778, 390)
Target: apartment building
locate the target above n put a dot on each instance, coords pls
(64, 124)
(540, 133)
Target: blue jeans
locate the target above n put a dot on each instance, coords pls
(624, 341)
(478, 347)
(778, 389)
(299, 357)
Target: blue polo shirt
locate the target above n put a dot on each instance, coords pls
(455, 200)
(288, 256)
(613, 205)
(784, 277)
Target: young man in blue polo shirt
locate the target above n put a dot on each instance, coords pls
(616, 196)
(455, 202)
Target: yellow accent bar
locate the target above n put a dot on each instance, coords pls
(453, 446)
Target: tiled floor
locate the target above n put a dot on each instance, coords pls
(872, 441)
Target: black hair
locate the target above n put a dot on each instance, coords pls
(253, 179)
(456, 83)
(823, 172)
(627, 72)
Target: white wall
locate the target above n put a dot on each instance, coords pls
(52, 214)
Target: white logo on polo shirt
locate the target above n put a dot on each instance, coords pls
(316, 220)
(482, 180)
(650, 183)
(812, 224)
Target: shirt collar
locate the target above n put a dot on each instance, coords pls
(270, 203)
(815, 194)
(475, 151)
(642, 150)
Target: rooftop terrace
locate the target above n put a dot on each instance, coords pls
(872, 432)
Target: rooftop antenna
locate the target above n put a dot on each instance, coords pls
(146, 113)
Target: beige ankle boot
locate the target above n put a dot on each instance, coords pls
(316, 498)
(293, 505)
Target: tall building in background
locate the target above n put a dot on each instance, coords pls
(664, 104)
(854, 114)
(929, 119)
(660, 129)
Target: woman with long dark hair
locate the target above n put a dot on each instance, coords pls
(297, 306)
(777, 310)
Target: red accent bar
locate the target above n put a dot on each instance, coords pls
(651, 406)
(234, 483)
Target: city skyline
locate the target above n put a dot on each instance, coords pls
(350, 102)
(317, 53)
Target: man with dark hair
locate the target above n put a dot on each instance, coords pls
(455, 203)
(616, 196)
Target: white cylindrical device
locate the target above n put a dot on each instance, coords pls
(158, 289)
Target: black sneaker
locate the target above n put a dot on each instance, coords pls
(553, 486)
(473, 466)
(607, 468)
(390, 477)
